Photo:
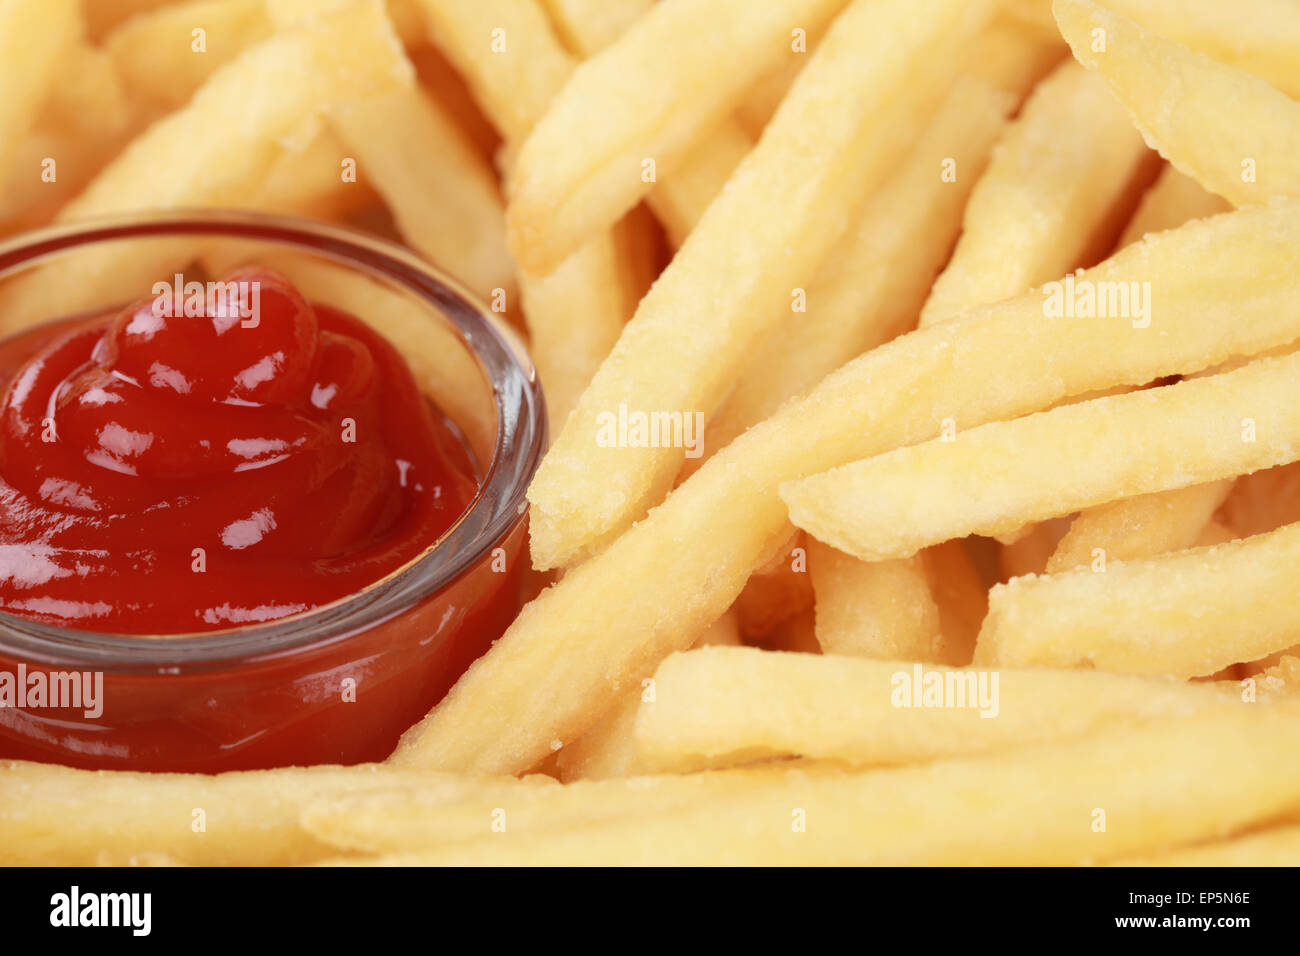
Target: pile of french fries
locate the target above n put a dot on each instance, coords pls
(991, 554)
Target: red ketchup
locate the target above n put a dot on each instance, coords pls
(171, 473)
(195, 464)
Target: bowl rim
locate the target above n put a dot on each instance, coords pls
(497, 507)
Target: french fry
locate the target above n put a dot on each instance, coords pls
(1013, 62)
(508, 54)
(1059, 176)
(83, 123)
(1178, 614)
(741, 703)
(1227, 287)
(515, 65)
(574, 317)
(1140, 527)
(406, 16)
(1163, 521)
(1276, 846)
(880, 609)
(447, 207)
(57, 816)
(588, 26)
(584, 164)
(872, 286)
(102, 18)
(306, 180)
(1258, 36)
(781, 212)
(678, 201)
(1015, 57)
(90, 100)
(25, 201)
(609, 749)
(165, 55)
(352, 53)
(1174, 519)
(680, 198)
(1229, 130)
(163, 64)
(1101, 797)
(997, 476)
(924, 608)
(34, 34)
(1173, 200)
(866, 292)
(440, 80)
(760, 104)
(408, 819)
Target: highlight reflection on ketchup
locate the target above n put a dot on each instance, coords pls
(167, 474)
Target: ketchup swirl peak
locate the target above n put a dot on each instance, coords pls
(166, 473)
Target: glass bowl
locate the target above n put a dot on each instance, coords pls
(338, 683)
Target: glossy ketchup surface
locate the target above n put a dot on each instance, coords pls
(167, 472)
